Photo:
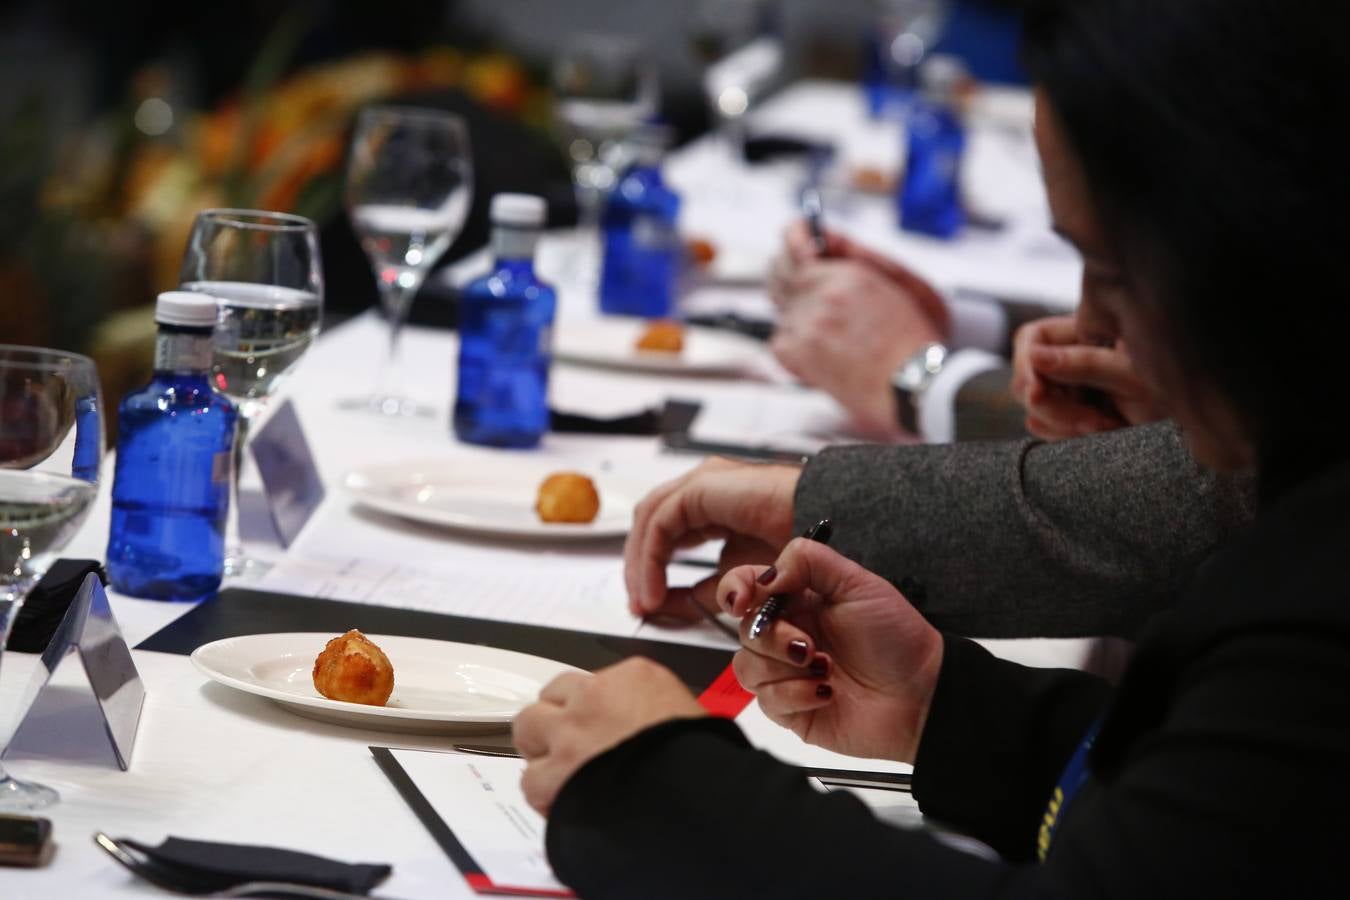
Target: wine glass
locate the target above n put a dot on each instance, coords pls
(51, 445)
(264, 270)
(737, 43)
(408, 189)
(606, 88)
(905, 32)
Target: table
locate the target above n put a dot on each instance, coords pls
(213, 764)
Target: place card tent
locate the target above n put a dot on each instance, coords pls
(58, 724)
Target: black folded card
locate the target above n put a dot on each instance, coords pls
(235, 611)
(46, 604)
(208, 866)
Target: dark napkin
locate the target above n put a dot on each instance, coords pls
(218, 866)
(46, 605)
(675, 415)
(761, 148)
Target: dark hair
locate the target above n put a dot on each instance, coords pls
(1208, 133)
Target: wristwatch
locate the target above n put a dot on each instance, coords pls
(912, 379)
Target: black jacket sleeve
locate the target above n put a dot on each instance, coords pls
(688, 809)
(996, 740)
(1078, 538)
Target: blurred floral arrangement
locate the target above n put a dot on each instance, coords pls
(110, 208)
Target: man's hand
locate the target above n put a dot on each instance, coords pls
(748, 505)
(1072, 388)
(848, 321)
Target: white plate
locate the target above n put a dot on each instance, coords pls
(471, 496)
(440, 687)
(611, 342)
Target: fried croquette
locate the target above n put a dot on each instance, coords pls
(662, 336)
(567, 497)
(353, 669)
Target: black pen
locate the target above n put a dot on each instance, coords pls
(773, 607)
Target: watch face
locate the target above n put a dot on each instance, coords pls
(920, 368)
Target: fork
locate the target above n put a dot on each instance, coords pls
(175, 880)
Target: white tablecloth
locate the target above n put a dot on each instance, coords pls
(213, 764)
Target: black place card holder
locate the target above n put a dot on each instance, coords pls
(238, 611)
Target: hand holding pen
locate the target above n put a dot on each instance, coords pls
(845, 662)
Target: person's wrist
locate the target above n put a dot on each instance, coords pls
(923, 686)
(910, 379)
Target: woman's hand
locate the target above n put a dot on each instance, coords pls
(1071, 388)
(850, 665)
(579, 716)
(748, 505)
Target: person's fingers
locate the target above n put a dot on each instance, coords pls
(781, 640)
(787, 347)
(754, 671)
(789, 699)
(806, 565)
(780, 283)
(638, 573)
(563, 689)
(1059, 419)
(1044, 430)
(634, 573)
(540, 783)
(800, 244)
(1055, 330)
(532, 726)
(1084, 366)
(712, 497)
(737, 592)
(704, 593)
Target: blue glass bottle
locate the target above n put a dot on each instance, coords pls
(171, 484)
(930, 196)
(506, 336)
(642, 245)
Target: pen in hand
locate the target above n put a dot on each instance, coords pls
(773, 607)
(813, 209)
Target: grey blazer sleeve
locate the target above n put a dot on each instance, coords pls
(1028, 539)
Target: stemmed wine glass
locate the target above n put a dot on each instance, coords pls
(745, 30)
(51, 446)
(264, 270)
(605, 88)
(408, 189)
(905, 32)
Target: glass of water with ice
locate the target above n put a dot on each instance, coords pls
(266, 274)
(51, 447)
(408, 189)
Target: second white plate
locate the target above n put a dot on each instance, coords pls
(612, 342)
(466, 496)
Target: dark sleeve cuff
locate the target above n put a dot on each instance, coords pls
(687, 809)
(996, 739)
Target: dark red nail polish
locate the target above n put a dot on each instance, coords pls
(820, 666)
(797, 651)
(824, 691)
(731, 600)
(768, 575)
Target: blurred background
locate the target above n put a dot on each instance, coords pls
(119, 122)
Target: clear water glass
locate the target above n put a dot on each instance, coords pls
(408, 189)
(51, 448)
(605, 88)
(265, 272)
